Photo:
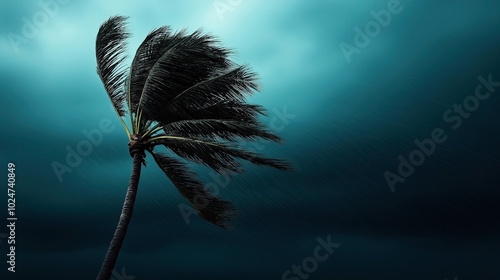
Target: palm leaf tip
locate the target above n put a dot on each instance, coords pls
(110, 48)
(258, 159)
(215, 210)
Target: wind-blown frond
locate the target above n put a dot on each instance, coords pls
(216, 129)
(148, 53)
(233, 85)
(110, 47)
(210, 208)
(225, 110)
(221, 157)
(185, 63)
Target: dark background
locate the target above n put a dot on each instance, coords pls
(349, 123)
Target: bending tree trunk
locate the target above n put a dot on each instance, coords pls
(128, 208)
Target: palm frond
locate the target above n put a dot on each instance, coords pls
(221, 157)
(224, 110)
(233, 85)
(220, 129)
(210, 208)
(186, 62)
(110, 47)
(148, 53)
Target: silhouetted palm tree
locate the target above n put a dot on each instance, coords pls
(181, 92)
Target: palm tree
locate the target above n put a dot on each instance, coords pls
(184, 93)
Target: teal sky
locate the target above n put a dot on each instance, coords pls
(348, 120)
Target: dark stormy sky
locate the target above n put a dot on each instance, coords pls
(349, 106)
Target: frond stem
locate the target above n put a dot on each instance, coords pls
(152, 130)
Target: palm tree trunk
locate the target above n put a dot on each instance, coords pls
(128, 207)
